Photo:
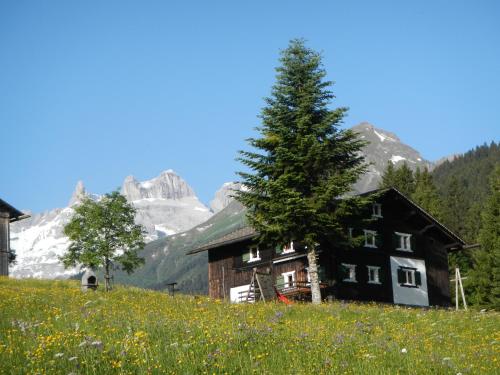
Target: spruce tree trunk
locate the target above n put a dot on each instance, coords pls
(313, 275)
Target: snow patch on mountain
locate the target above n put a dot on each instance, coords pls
(395, 158)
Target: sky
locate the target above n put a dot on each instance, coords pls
(99, 90)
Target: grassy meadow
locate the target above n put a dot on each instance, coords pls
(51, 327)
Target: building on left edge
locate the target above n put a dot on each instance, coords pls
(8, 214)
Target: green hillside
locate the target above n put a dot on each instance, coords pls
(50, 327)
(166, 259)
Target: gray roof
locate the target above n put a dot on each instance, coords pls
(232, 237)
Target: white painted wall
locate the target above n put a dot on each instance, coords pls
(234, 292)
(409, 296)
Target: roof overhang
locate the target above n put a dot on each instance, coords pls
(238, 235)
(14, 213)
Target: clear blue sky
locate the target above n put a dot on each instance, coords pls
(98, 90)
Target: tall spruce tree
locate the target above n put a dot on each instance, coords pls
(304, 162)
(485, 274)
(400, 178)
(426, 194)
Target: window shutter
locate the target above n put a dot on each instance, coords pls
(396, 241)
(401, 276)
(246, 256)
(321, 274)
(280, 281)
(413, 242)
(278, 249)
(418, 278)
(378, 240)
(342, 272)
(380, 275)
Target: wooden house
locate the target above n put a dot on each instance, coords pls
(402, 259)
(8, 214)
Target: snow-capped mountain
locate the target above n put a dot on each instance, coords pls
(165, 205)
(383, 147)
(39, 241)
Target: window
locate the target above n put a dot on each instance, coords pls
(350, 232)
(254, 254)
(403, 241)
(349, 272)
(370, 238)
(288, 248)
(289, 279)
(409, 277)
(376, 210)
(373, 275)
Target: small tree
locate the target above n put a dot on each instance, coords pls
(306, 162)
(485, 274)
(102, 233)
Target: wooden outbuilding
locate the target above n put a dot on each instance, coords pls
(402, 259)
(8, 214)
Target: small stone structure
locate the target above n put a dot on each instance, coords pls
(89, 281)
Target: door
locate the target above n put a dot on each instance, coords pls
(409, 281)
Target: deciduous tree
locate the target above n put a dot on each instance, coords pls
(103, 233)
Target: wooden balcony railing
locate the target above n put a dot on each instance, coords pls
(287, 289)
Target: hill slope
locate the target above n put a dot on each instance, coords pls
(51, 327)
(166, 259)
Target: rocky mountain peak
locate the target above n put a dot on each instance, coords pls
(223, 196)
(371, 131)
(384, 147)
(167, 185)
(78, 194)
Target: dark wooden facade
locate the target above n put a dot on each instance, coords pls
(8, 214)
(425, 260)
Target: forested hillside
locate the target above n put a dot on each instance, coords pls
(463, 187)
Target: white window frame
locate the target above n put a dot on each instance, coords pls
(411, 280)
(376, 210)
(352, 273)
(287, 249)
(285, 276)
(404, 241)
(376, 274)
(252, 257)
(373, 234)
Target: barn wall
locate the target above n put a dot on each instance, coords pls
(4, 244)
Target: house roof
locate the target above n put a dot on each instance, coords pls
(248, 232)
(14, 213)
(237, 235)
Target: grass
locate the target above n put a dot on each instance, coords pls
(51, 327)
